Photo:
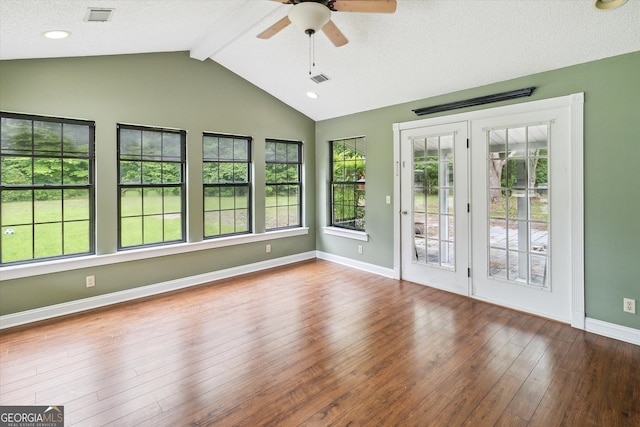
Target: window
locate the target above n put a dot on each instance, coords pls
(46, 188)
(283, 204)
(226, 176)
(151, 170)
(348, 183)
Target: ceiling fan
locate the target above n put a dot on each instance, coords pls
(314, 15)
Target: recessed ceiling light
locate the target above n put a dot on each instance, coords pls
(608, 4)
(312, 95)
(57, 34)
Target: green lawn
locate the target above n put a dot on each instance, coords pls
(539, 207)
(46, 238)
(141, 223)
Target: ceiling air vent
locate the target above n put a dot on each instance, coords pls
(320, 78)
(98, 15)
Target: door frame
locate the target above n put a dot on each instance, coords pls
(575, 103)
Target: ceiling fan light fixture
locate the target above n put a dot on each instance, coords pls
(309, 16)
(608, 4)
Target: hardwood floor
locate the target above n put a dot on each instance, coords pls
(319, 344)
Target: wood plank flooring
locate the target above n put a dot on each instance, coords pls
(319, 344)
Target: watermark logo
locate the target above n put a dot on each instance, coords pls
(31, 416)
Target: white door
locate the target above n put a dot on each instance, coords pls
(521, 212)
(434, 197)
(521, 183)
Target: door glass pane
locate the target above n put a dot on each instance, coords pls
(450, 200)
(517, 272)
(433, 226)
(538, 270)
(537, 139)
(446, 148)
(432, 202)
(516, 142)
(447, 226)
(514, 233)
(433, 206)
(447, 254)
(433, 252)
(518, 204)
(498, 263)
(498, 233)
(539, 232)
(517, 173)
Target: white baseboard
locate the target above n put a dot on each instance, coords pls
(71, 307)
(349, 262)
(611, 330)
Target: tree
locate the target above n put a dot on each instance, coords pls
(496, 164)
(349, 172)
(35, 152)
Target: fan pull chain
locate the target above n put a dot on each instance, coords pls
(312, 50)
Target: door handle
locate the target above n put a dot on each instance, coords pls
(404, 212)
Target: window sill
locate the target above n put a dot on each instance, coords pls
(346, 233)
(47, 267)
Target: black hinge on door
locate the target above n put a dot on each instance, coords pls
(468, 207)
(468, 272)
(467, 142)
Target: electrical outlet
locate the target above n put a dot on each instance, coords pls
(359, 249)
(268, 249)
(90, 281)
(629, 305)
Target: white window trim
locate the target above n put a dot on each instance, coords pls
(57, 266)
(346, 233)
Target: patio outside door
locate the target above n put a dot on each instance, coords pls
(521, 212)
(499, 216)
(434, 220)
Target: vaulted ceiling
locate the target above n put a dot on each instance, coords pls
(425, 48)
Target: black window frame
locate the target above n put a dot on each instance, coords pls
(142, 186)
(355, 186)
(35, 154)
(236, 185)
(288, 183)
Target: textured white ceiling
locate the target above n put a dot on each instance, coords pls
(426, 48)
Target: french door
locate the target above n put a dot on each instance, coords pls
(491, 205)
(521, 213)
(435, 244)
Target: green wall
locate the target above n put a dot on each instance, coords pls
(612, 190)
(168, 90)
(172, 90)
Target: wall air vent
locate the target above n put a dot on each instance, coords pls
(98, 14)
(320, 78)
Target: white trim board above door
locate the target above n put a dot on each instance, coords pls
(567, 131)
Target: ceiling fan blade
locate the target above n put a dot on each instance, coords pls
(334, 34)
(371, 6)
(275, 28)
